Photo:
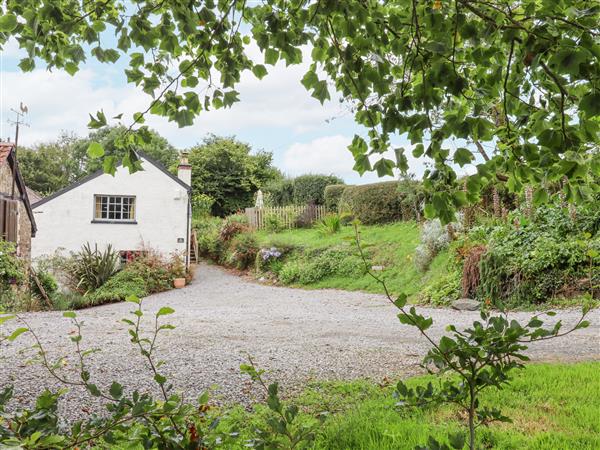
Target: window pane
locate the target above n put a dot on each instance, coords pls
(113, 207)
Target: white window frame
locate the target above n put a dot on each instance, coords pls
(118, 210)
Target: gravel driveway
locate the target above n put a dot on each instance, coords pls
(297, 335)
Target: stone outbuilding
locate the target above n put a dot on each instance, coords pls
(17, 223)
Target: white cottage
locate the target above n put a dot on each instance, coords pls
(150, 208)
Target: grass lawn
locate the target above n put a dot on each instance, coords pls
(391, 246)
(553, 406)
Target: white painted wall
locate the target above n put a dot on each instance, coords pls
(65, 222)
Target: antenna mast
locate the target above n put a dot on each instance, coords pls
(20, 115)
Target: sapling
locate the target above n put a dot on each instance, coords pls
(468, 361)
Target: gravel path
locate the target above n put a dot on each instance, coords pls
(297, 335)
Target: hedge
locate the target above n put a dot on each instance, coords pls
(373, 203)
(281, 192)
(311, 188)
(333, 194)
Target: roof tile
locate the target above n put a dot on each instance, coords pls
(5, 149)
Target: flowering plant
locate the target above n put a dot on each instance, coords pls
(270, 253)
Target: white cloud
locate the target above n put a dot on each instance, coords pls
(59, 102)
(327, 155)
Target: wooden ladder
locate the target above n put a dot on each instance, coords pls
(194, 247)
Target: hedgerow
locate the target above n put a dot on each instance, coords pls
(332, 195)
(310, 189)
(373, 203)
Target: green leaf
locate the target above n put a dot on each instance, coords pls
(230, 98)
(95, 150)
(97, 122)
(93, 389)
(384, 167)
(310, 79)
(116, 390)
(8, 22)
(463, 156)
(71, 68)
(401, 301)
(321, 92)
(18, 332)
(271, 56)
(540, 196)
(590, 104)
(6, 318)
(165, 310)
(401, 160)
(583, 324)
(429, 211)
(27, 64)
(133, 299)
(109, 165)
(69, 314)
(160, 379)
(259, 71)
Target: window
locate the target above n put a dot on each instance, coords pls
(117, 208)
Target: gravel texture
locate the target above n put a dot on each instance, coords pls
(297, 335)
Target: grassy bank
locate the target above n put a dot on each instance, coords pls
(553, 406)
(391, 246)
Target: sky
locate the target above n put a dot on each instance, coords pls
(275, 114)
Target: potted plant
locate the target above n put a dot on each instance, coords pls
(178, 270)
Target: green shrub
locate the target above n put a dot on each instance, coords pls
(242, 250)
(332, 195)
(548, 255)
(310, 189)
(157, 272)
(529, 267)
(202, 205)
(316, 265)
(269, 259)
(373, 203)
(273, 224)
(207, 232)
(12, 270)
(290, 272)
(279, 192)
(118, 288)
(91, 268)
(63, 301)
(443, 290)
(412, 198)
(47, 281)
(330, 224)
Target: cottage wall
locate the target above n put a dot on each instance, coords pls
(24, 227)
(65, 222)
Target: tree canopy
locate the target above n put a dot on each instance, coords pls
(154, 145)
(224, 169)
(50, 166)
(512, 87)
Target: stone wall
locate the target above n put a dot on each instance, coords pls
(24, 227)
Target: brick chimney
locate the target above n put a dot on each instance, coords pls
(184, 169)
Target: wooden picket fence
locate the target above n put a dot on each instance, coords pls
(287, 215)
